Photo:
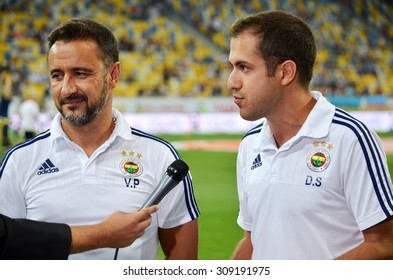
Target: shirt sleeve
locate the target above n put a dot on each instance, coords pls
(179, 205)
(370, 201)
(33, 240)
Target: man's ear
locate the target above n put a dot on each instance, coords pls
(288, 72)
(114, 74)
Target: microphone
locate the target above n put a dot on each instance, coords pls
(172, 177)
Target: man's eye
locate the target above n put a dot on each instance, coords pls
(56, 76)
(81, 74)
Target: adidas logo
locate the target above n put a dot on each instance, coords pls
(47, 167)
(257, 162)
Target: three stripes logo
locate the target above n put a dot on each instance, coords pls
(47, 167)
(257, 162)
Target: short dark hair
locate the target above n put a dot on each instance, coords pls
(282, 36)
(84, 28)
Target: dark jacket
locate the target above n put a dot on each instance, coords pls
(33, 240)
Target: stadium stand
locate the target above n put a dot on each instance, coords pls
(179, 48)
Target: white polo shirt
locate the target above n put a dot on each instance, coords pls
(312, 197)
(49, 178)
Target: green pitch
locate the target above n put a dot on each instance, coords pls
(214, 179)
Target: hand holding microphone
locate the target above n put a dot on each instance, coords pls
(122, 229)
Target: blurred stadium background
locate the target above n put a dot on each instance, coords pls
(174, 72)
(174, 56)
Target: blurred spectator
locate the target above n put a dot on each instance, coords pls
(28, 111)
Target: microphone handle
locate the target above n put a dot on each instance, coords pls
(166, 184)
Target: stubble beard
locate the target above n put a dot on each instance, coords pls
(89, 114)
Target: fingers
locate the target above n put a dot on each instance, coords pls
(122, 229)
(146, 213)
(145, 216)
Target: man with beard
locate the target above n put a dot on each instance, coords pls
(91, 163)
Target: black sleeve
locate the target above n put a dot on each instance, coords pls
(32, 240)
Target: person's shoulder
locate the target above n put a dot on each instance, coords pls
(26, 152)
(254, 131)
(150, 138)
(349, 122)
(35, 143)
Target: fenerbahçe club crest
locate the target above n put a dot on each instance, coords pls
(318, 160)
(131, 167)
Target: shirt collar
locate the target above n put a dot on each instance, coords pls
(320, 118)
(122, 128)
(316, 125)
